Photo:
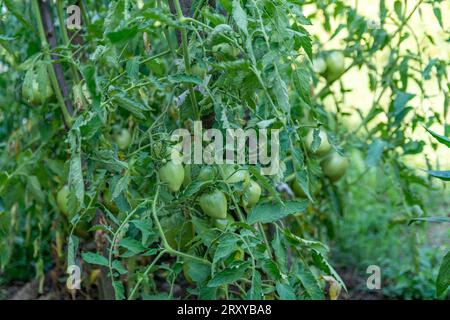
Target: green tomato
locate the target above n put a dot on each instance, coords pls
(252, 194)
(319, 65)
(224, 51)
(173, 175)
(223, 223)
(123, 139)
(62, 200)
(335, 166)
(37, 97)
(207, 173)
(232, 175)
(214, 204)
(335, 65)
(177, 231)
(324, 146)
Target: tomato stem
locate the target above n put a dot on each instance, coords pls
(65, 38)
(187, 67)
(54, 81)
(149, 268)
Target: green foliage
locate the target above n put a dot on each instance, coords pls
(139, 68)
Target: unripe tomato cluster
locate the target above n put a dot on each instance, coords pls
(334, 166)
(213, 202)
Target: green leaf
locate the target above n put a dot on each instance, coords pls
(281, 92)
(145, 227)
(227, 245)
(398, 9)
(76, 177)
(438, 14)
(270, 212)
(204, 230)
(401, 100)
(35, 187)
(438, 137)
(121, 186)
(375, 152)
(132, 106)
(72, 248)
(286, 292)
(94, 258)
(18, 12)
(443, 278)
(199, 272)
(427, 71)
(271, 268)
(119, 290)
(132, 245)
(132, 68)
(239, 16)
(443, 175)
(255, 292)
(323, 265)
(125, 34)
(309, 282)
(279, 249)
(383, 11)
(231, 274)
(119, 267)
(316, 140)
(310, 244)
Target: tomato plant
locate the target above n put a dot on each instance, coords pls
(88, 117)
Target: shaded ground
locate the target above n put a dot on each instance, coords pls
(356, 286)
